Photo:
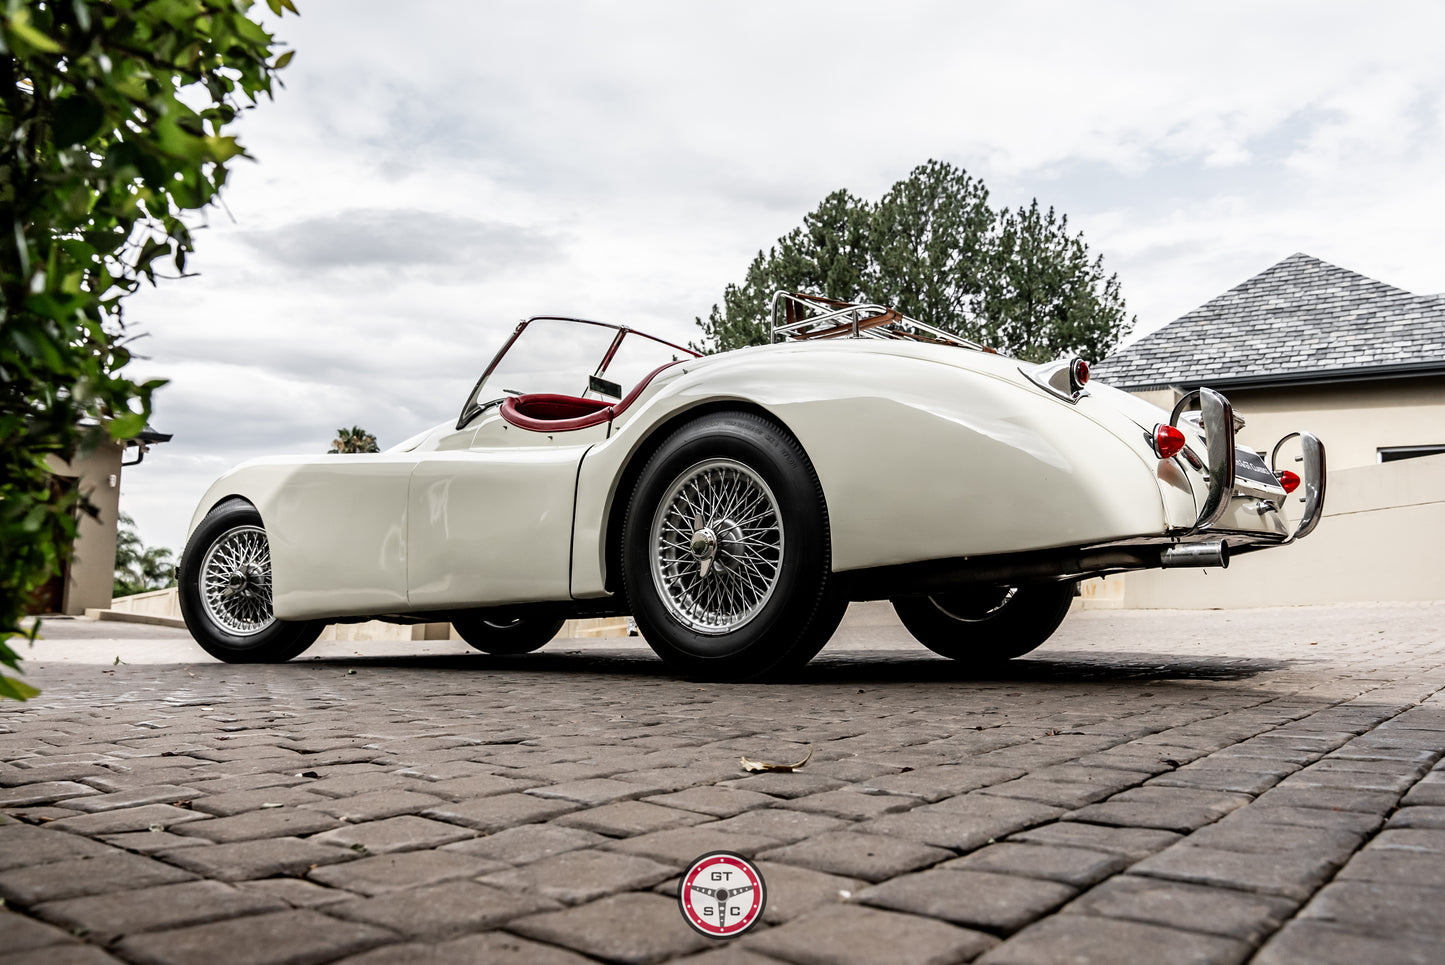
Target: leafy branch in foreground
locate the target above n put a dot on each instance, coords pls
(113, 126)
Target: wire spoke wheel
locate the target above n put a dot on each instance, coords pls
(716, 546)
(235, 581)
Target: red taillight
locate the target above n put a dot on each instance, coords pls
(1288, 480)
(1168, 441)
(1080, 373)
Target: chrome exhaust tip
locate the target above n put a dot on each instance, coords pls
(1196, 554)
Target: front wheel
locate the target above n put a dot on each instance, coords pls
(505, 637)
(225, 591)
(988, 623)
(726, 553)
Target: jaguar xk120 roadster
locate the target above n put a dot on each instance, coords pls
(735, 503)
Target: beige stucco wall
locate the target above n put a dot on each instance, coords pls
(1352, 419)
(1382, 538)
(92, 569)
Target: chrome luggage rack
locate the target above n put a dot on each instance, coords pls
(806, 316)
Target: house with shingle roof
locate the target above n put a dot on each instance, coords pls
(1307, 345)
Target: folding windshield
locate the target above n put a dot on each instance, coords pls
(569, 356)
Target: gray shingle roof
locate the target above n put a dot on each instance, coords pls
(1300, 320)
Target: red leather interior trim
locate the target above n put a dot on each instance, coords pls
(554, 413)
(542, 412)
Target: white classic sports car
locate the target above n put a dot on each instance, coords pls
(734, 504)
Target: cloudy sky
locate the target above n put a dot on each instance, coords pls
(435, 171)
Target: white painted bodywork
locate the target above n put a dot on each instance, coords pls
(923, 452)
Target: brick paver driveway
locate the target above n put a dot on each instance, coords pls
(1163, 787)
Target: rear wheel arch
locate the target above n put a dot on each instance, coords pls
(616, 511)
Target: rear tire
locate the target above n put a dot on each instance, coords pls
(725, 552)
(225, 591)
(986, 624)
(505, 637)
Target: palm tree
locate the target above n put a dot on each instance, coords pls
(355, 439)
(139, 568)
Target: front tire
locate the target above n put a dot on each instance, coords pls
(726, 552)
(505, 637)
(986, 624)
(225, 591)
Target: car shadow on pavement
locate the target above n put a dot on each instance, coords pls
(855, 666)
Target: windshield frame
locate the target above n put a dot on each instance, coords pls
(475, 406)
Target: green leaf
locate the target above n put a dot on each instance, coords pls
(222, 149)
(126, 426)
(16, 689)
(283, 60)
(18, 25)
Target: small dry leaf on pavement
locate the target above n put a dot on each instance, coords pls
(754, 767)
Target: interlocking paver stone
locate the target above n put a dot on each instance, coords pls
(107, 917)
(1073, 939)
(995, 902)
(1071, 866)
(598, 790)
(243, 860)
(778, 824)
(114, 871)
(851, 804)
(268, 823)
(500, 812)
(1166, 808)
(442, 911)
(529, 842)
(27, 795)
(623, 818)
(405, 869)
(858, 935)
(1132, 843)
(1380, 908)
(679, 846)
(721, 802)
(1175, 904)
(239, 802)
(21, 934)
(1290, 875)
(133, 797)
(872, 857)
(141, 818)
(404, 833)
(491, 948)
(23, 846)
(376, 805)
(1321, 943)
(579, 876)
(295, 937)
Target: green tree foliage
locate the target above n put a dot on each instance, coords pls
(139, 568)
(113, 126)
(932, 247)
(355, 439)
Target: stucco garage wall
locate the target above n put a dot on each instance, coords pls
(1382, 538)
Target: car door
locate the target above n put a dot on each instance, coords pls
(492, 524)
